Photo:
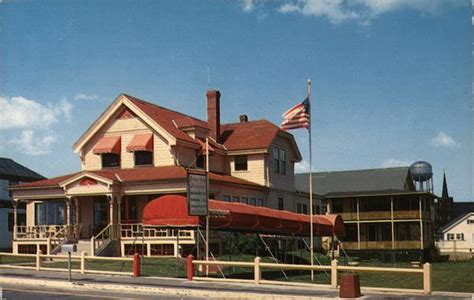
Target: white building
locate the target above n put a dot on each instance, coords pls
(457, 237)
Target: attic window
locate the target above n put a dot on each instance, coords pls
(240, 163)
(110, 160)
(279, 160)
(143, 158)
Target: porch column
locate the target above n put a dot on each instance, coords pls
(358, 224)
(76, 211)
(111, 209)
(77, 231)
(111, 215)
(119, 208)
(421, 222)
(68, 211)
(15, 217)
(392, 224)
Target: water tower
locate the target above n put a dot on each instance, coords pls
(422, 175)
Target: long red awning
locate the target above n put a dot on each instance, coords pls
(141, 142)
(110, 144)
(172, 210)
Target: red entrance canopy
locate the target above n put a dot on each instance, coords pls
(172, 210)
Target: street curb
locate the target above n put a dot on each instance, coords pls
(140, 289)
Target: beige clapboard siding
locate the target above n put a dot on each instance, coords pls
(255, 169)
(282, 181)
(30, 213)
(126, 128)
(459, 245)
(162, 152)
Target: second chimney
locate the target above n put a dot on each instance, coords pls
(214, 113)
(243, 119)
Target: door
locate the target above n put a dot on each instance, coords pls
(101, 214)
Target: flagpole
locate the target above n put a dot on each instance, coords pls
(310, 184)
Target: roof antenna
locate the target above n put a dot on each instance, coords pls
(208, 76)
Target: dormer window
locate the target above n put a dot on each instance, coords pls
(110, 160)
(279, 160)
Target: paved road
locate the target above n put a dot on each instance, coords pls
(22, 293)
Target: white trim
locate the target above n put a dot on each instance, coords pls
(80, 176)
(450, 226)
(109, 112)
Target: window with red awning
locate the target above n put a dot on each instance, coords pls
(110, 144)
(141, 142)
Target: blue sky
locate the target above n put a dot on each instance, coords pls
(391, 79)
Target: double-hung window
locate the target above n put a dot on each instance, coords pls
(279, 160)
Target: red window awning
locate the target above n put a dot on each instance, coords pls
(141, 142)
(172, 210)
(110, 144)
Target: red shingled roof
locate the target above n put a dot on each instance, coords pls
(250, 135)
(165, 117)
(140, 175)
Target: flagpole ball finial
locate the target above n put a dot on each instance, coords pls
(309, 81)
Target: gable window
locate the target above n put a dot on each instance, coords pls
(279, 160)
(143, 158)
(110, 160)
(280, 203)
(240, 163)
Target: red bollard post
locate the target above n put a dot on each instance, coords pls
(189, 267)
(136, 265)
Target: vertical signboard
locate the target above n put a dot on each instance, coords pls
(197, 194)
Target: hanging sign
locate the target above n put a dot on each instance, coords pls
(197, 194)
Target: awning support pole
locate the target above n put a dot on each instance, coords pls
(317, 260)
(271, 254)
(210, 252)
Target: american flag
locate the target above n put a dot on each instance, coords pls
(297, 116)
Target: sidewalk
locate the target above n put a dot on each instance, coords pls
(182, 287)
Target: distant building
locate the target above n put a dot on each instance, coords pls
(381, 208)
(443, 207)
(457, 237)
(11, 173)
(461, 208)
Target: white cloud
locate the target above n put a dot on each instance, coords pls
(362, 11)
(31, 143)
(28, 125)
(444, 140)
(392, 162)
(19, 112)
(82, 96)
(247, 5)
(23, 113)
(302, 167)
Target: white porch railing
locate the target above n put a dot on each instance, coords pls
(44, 232)
(138, 230)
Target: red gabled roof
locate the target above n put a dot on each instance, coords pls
(249, 135)
(170, 120)
(234, 136)
(144, 174)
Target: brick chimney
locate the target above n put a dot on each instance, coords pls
(243, 119)
(214, 113)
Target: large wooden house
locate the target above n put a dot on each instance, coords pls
(136, 151)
